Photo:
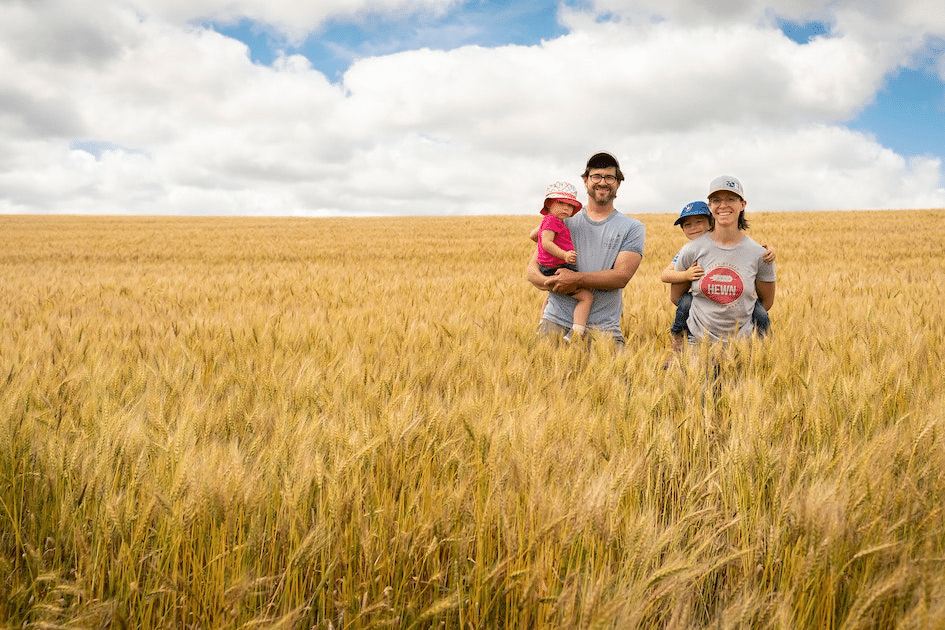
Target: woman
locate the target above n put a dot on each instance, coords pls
(735, 273)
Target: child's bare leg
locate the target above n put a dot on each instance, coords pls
(585, 299)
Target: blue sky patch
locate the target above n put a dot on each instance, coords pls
(803, 32)
(908, 115)
(96, 148)
(338, 43)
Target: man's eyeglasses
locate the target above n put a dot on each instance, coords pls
(596, 177)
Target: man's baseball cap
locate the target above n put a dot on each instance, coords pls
(561, 191)
(729, 183)
(693, 209)
(602, 159)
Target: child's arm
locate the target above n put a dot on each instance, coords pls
(547, 243)
(770, 254)
(535, 233)
(671, 276)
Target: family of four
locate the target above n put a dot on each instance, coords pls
(722, 281)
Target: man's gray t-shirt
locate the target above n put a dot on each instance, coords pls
(597, 244)
(723, 298)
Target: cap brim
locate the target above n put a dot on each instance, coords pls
(696, 214)
(568, 200)
(724, 189)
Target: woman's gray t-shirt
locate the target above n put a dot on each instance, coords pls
(723, 298)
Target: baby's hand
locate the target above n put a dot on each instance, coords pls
(694, 272)
(571, 258)
(769, 254)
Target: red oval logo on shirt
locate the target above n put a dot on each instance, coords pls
(722, 285)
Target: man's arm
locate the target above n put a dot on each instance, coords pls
(534, 275)
(567, 281)
(765, 292)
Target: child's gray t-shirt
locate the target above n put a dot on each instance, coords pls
(723, 298)
(597, 244)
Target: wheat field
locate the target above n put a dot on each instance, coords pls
(349, 423)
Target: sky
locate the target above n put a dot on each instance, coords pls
(451, 107)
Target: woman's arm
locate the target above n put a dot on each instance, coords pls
(677, 290)
(765, 291)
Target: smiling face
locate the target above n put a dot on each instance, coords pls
(695, 226)
(726, 207)
(560, 209)
(603, 191)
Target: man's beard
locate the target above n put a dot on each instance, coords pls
(603, 195)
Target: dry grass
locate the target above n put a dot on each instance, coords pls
(348, 423)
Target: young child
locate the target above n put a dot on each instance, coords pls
(556, 250)
(695, 220)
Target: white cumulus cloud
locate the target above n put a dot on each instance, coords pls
(133, 107)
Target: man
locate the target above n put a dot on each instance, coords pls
(609, 248)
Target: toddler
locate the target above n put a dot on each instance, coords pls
(556, 250)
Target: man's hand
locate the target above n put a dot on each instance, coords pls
(564, 281)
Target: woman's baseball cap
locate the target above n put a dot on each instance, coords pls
(729, 183)
(561, 191)
(693, 209)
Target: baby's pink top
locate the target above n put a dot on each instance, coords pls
(562, 239)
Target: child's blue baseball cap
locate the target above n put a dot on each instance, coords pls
(693, 209)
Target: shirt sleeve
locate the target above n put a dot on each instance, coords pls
(551, 223)
(634, 239)
(766, 272)
(676, 257)
(683, 258)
